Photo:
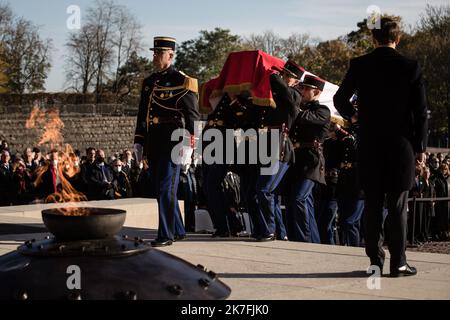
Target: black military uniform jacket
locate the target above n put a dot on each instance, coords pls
(230, 114)
(348, 183)
(308, 134)
(169, 100)
(392, 114)
(282, 117)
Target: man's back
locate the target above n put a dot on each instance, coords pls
(390, 93)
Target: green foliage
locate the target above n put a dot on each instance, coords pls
(25, 56)
(3, 76)
(430, 45)
(131, 75)
(203, 57)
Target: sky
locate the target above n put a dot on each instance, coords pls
(183, 19)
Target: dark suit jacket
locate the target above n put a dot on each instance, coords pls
(392, 115)
(98, 188)
(6, 179)
(46, 186)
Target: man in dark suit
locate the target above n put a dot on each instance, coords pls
(392, 115)
(169, 101)
(6, 179)
(101, 180)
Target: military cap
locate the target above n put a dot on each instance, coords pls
(293, 69)
(313, 82)
(163, 43)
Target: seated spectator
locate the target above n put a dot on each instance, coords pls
(131, 168)
(38, 158)
(6, 176)
(85, 168)
(144, 185)
(122, 184)
(22, 184)
(48, 180)
(100, 179)
(72, 172)
(28, 157)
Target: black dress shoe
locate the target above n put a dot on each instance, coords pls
(403, 271)
(270, 237)
(179, 237)
(221, 234)
(161, 243)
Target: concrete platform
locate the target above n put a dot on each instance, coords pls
(139, 210)
(285, 270)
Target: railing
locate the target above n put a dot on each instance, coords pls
(414, 201)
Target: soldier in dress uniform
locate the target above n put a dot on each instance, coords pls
(310, 129)
(349, 193)
(169, 101)
(328, 199)
(281, 118)
(232, 112)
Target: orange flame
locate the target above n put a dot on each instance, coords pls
(50, 122)
(66, 169)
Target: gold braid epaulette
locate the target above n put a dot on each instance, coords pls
(190, 84)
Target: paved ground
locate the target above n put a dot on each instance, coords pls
(285, 270)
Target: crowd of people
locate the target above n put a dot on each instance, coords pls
(33, 177)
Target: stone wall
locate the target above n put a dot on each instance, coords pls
(112, 132)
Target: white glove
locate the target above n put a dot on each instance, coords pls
(138, 151)
(185, 156)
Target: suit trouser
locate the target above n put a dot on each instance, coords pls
(165, 176)
(301, 219)
(396, 225)
(265, 192)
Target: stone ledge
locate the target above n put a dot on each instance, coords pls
(141, 212)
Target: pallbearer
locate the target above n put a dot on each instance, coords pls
(281, 118)
(310, 129)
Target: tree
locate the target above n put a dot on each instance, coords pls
(130, 76)
(127, 41)
(101, 20)
(430, 45)
(294, 45)
(203, 58)
(3, 73)
(269, 42)
(101, 48)
(81, 60)
(25, 55)
(6, 18)
(359, 41)
(335, 55)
